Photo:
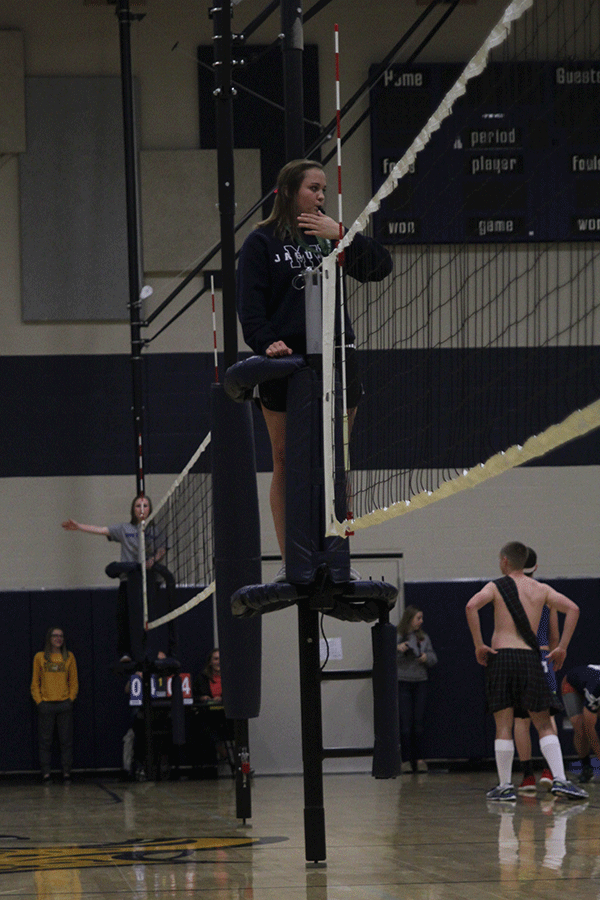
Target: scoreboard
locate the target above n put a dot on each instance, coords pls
(518, 158)
(160, 688)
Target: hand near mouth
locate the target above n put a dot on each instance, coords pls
(319, 224)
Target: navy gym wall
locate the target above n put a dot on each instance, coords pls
(101, 712)
(80, 408)
(457, 726)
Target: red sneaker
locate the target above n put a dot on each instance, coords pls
(527, 786)
(546, 779)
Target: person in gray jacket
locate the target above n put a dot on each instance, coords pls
(415, 657)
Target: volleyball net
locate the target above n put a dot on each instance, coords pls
(480, 351)
(179, 535)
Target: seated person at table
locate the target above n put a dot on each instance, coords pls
(207, 686)
(208, 692)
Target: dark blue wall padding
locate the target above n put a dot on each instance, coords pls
(386, 749)
(101, 712)
(18, 749)
(306, 546)
(237, 550)
(457, 725)
(82, 407)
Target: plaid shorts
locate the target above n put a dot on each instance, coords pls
(515, 679)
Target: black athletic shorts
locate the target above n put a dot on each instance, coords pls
(514, 677)
(273, 394)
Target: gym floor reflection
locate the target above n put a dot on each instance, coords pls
(419, 837)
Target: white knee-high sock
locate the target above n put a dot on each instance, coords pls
(550, 747)
(504, 752)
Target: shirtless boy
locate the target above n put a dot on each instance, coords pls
(514, 675)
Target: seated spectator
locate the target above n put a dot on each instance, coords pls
(207, 686)
(208, 693)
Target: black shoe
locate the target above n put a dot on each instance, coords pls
(587, 773)
(47, 779)
(66, 778)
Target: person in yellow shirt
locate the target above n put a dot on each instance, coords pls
(54, 686)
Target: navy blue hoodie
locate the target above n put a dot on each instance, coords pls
(270, 287)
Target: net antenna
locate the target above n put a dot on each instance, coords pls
(475, 357)
(214, 323)
(340, 261)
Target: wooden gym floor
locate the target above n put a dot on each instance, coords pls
(418, 837)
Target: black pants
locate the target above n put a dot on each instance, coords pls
(59, 714)
(412, 697)
(131, 640)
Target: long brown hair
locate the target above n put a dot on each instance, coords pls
(404, 624)
(284, 213)
(48, 644)
(208, 668)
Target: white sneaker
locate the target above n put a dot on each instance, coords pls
(280, 575)
(354, 575)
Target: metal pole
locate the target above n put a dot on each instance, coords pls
(308, 619)
(243, 773)
(293, 92)
(224, 92)
(133, 241)
(312, 733)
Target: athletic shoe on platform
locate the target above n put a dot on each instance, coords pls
(354, 575)
(406, 768)
(502, 792)
(422, 766)
(527, 786)
(587, 773)
(567, 789)
(280, 575)
(546, 779)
